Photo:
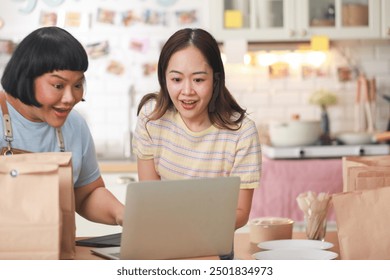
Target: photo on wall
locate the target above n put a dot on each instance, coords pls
(106, 16)
(7, 47)
(97, 50)
(129, 18)
(72, 19)
(186, 17)
(154, 17)
(48, 18)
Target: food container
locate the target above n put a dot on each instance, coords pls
(294, 133)
(270, 228)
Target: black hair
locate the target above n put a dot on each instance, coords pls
(44, 50)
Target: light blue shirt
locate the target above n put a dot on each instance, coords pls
(41, 137)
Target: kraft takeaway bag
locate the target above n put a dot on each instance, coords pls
(29, 211)
(365, 172)
(363, 227)
(66, 193)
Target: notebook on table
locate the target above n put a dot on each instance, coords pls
(174, 219)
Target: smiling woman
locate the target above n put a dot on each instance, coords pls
(43, 81)
(193, 127)
(190, 87)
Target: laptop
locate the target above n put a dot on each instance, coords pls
(173, 219)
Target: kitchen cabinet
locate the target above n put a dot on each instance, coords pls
(252, 20)
(295, 20)
(385, 9)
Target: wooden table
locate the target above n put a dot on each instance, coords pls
(243, 248)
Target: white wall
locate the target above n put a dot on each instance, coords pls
(278, 99)
(111, 112)
(109, 108)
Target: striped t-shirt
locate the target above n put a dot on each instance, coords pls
(180, 153)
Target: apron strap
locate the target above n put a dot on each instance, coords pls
(60, 139)
(8, 135)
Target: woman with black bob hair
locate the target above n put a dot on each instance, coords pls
(43, 51)
(193, 127)
(43, 81)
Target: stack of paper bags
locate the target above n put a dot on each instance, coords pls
(365, 172)
(363, 209)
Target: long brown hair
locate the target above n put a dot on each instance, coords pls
(224, 111)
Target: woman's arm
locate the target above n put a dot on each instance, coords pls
(243, 207)
(146, 170)
(95, 203)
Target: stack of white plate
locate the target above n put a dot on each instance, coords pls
(295, 249)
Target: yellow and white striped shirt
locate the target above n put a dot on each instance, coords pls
(179, 153)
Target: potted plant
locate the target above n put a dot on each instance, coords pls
(324, 99)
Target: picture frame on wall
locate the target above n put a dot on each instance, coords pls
(106, 16)
(154, 17)
(129, 18)
(7, 47)
(73, 19)
(186, 17)
(79, 21)
(48, 18)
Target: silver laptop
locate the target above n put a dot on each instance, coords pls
(174, 219)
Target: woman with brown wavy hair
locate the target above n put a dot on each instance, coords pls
(193, 127)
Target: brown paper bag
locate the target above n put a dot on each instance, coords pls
(363, 227)
(370, 179)
(360, 161)
(29, 211)
(367, 177)
(67, 203)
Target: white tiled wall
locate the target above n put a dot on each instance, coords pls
(268, 99)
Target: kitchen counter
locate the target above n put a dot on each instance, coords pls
(118, 166)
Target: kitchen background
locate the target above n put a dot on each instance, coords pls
(270, 48)
(277, 53)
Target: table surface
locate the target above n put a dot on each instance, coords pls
(243, 248)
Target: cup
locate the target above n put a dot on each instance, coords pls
(270, 228)
(316, 226)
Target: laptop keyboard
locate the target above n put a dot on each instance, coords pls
(110, 240)
(116, 255)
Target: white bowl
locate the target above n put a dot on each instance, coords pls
(355, 138)
(294, 133)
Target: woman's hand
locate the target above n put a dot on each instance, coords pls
(96, 203)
